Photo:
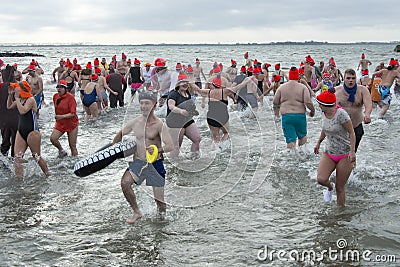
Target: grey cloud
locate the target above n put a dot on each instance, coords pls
(174, 15)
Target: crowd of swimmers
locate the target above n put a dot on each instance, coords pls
(345, 101)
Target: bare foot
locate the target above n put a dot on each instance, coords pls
(135, 216)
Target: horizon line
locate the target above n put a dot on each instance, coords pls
(199, 44)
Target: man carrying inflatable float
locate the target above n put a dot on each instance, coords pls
(152, 140)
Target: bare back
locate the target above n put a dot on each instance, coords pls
(388, 76)
(292, 97)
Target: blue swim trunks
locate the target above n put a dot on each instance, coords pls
(294, 126)
(104, 96)
(153, 173)
(39, 99)
(384, 92)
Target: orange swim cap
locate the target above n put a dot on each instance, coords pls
(24, 89)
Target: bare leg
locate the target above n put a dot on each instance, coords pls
(87, 111)
(215, 133)
(383, 111)
(325, 168)
(159, 198)
(225, 130)
(19, 151)
(72, 140)
(302, 141)
(126, 185)
(193, 133)
(343, 171)
(291, 145)
(176, 135)
(54, 137)
(34, 142)
(94, 111)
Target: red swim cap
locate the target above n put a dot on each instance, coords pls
(217, 82)
(327, 99)
(62, 84)
(293, 74)
(94, 77)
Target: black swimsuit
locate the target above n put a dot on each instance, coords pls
(217, 115)
(27, 123)
(70, 85)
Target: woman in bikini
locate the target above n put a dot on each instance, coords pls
(28, 135)
(339, 152)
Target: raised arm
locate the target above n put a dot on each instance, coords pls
(240, 85)
(202, 92)
(29, 105)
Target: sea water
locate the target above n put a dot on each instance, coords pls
(238, 205)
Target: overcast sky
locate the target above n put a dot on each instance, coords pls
(202, 21)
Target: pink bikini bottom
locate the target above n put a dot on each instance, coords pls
(336, 158)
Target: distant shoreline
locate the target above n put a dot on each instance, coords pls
(204, 44)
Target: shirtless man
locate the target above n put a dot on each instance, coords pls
(36, 82)
(333, 71)
(308, 70)
(103, 86)
(123, 68)
(352, 98)
(232, 71)
(70, 76)
(77, 67)
(248, 62)
(364, 63)
(17, 73)
(197, 71)
(251, 96)
(59, 70)
(148, 130)
(39, 71)
(388, 77)
(291, 100)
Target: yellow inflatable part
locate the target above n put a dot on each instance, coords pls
(153, 156)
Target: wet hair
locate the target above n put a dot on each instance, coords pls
(350, 72)
(147, 95)
(390, 67)
(86, 72)
(8, 74)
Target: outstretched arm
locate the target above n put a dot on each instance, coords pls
(202, 92)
